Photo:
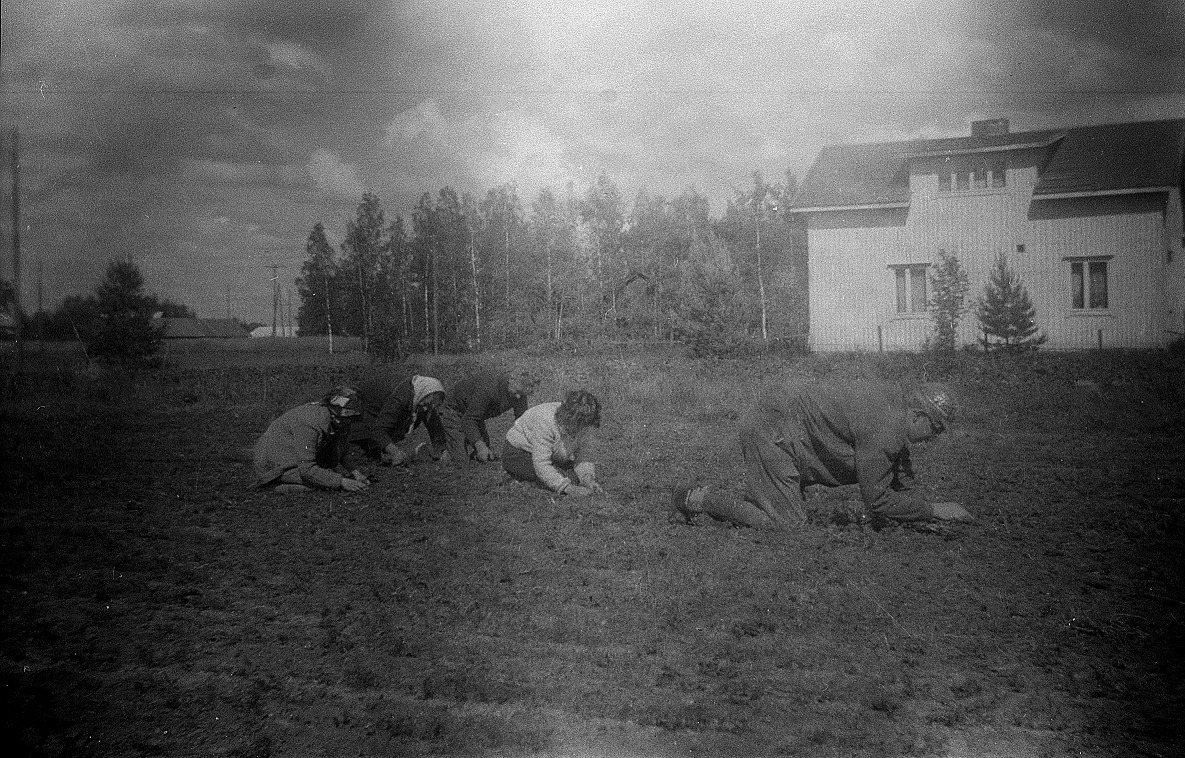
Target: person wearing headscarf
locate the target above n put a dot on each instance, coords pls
(304, 449)
(477, 398)
(831, 436)
(392, 411)
(554, 444)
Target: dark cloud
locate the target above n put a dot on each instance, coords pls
(317, 22)
(218, 131)
(1150, 29)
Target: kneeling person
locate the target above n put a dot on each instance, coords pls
(474, 400)
(392, 411)
(304, 449)
(552, 443)
(859, 435)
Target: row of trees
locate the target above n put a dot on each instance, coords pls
(116, 323)
(78, 315)
(468, 273)
(471, 275)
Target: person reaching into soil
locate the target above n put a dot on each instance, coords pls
(553, 444)
(391, 411)
(475, 399)
(831, 436)
(304, 448)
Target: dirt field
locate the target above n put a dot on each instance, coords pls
(153, 606)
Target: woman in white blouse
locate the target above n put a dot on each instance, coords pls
(552, 443)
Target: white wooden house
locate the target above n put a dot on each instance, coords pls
(1090, 218)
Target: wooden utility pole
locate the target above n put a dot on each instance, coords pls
(275, 268)
(17, 312)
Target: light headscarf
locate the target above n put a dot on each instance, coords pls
(423, 386)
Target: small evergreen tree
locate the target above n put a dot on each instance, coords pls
(124, 333)
(1006, 313)
(716, 315)
(949, 283)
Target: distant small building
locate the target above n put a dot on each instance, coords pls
(202, 328)
(268, 331)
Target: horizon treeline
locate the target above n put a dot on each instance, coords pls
(469, 273)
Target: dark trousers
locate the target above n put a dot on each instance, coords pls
(518, 463)
(773, 491)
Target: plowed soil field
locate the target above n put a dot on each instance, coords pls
(152, 605)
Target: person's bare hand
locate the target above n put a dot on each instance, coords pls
(951, 512)
(353, 485)
(482, 453)
(595, 488)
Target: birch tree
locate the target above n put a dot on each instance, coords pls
(363, 248)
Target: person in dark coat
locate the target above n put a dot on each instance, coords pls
(831, 436)
(304, 449)
(474, 400)
(391, 411)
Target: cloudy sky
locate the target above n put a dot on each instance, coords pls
(206, 137)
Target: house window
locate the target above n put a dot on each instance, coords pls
(985, 175)
(999, 175)
(910, 287)
(1088, 285)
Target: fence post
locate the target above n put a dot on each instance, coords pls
(880, 339)
(1100, 339)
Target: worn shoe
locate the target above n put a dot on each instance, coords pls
(681, 505)
(424, 453)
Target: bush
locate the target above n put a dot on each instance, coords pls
(949, 283)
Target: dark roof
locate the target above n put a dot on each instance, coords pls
(196, 328)
(1080, 159)
(857, 175)
(1115, 156)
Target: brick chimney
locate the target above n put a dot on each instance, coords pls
(992, 127)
